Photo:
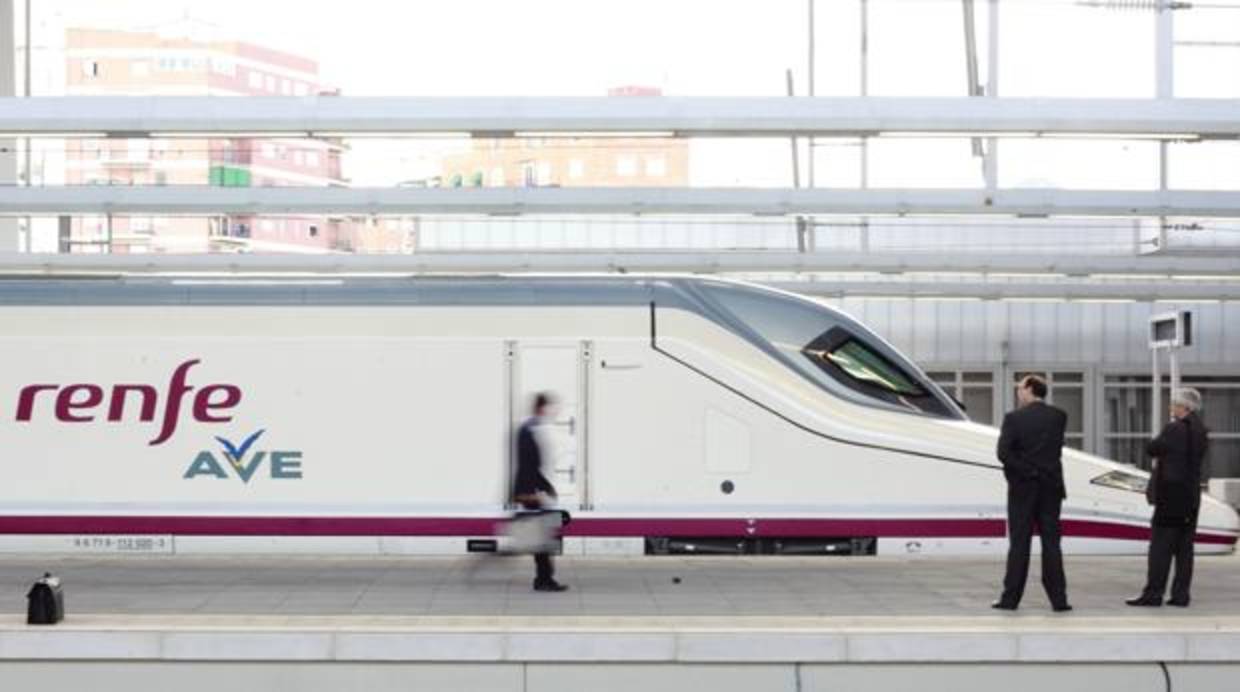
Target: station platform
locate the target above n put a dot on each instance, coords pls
(720, 623)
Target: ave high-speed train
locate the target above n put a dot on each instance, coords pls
(376, 414)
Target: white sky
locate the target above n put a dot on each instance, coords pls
(742, 48)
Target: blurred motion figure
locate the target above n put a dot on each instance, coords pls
(531, 487)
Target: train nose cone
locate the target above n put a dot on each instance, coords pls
(1217, 517)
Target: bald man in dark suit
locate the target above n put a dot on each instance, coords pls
(1031, 448)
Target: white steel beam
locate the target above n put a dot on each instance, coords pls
(1001, 266)
(1018, 290)
(203, 200)
(686, 116)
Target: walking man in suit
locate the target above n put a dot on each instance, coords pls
(1030, 447)
(1175, 491)
(530, 486)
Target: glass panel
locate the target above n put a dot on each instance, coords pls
(1127, 451)
(1059, 377)
(1074, 441)
(860, 363)
(1127, 409)
(986, 377)
(943, 378)
(979, 404)
(1072, 401)
(1222, 460)
(1220, 409)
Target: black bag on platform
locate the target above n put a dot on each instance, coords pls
(46, 602)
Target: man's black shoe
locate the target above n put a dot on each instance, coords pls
(1178, 602)
(1146, 601)
(1000, 605)
(550, 586)
(1061, 607)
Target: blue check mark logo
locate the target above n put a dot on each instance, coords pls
(235, 453)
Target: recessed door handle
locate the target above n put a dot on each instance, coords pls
(571, 424)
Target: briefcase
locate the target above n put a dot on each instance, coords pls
(45, 602)
(535, 531)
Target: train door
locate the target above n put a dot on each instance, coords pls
(560, 368)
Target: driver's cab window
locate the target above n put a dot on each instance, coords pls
(832, 350)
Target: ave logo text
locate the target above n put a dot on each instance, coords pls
(238, 461)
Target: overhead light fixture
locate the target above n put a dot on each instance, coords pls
(1133, 277)
(1019, 134)
(950, 299)
(1026, 275)
(1205, 277)
(392, 135)
(926, 134)
(1156, 136)
(224, 134)
(637, 134)
(256, 282)
(53, 135)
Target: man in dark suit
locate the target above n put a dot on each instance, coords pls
(1175, 491)
(530, 486)
(1030, 447)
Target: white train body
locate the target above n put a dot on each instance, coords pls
(695, 415)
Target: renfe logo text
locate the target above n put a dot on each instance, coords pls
(84, 403)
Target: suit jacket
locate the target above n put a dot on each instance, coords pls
(1180, 449)
(1031, 445)
(529, 478)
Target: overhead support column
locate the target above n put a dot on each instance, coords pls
(1164, 74)
(8, 146)
(865, 91)
(990, 160)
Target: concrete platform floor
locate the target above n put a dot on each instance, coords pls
(737, 587)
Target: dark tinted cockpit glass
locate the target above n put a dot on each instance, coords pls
(832, 350)
(862, 364)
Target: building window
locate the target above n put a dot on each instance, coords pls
(224, 67)
(1126, 419)
(497, 176)
(90, 68)
(312, 158)
(656, 167)
(528, 175)
(626, 166)
(973, 388)
(544, 172)
(576, 168)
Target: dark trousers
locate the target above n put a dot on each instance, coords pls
(1167, 542)
(544, 569)
(1032, 503)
